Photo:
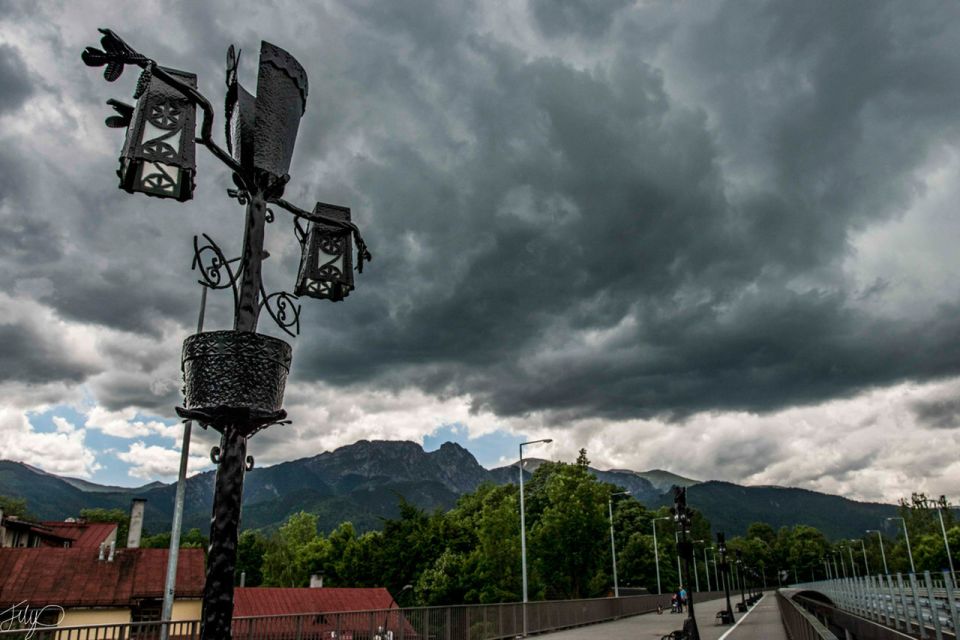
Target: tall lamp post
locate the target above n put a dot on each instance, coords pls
(706, 564)
(853, 565)
(726, 616)
(863, 548)
(233, 380)
(613, 545)
(946, 543)
(523, 530)
(696, 574)
(716, 575)
(683, 518)
(906, 536)
(656, 552)
(883, 554)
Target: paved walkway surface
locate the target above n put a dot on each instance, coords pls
(762, 622)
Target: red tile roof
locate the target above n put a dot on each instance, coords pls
(291, 605)
(85, 535)
(77, 578)
(269, 601)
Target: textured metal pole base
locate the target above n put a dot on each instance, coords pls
(217, 614)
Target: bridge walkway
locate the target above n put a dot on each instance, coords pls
(762, 622)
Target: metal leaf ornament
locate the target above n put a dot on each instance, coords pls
(125, 114)
(115, 54)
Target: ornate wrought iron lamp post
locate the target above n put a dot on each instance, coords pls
(233, 380)
(682, 516)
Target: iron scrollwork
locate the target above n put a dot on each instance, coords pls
(283, 308)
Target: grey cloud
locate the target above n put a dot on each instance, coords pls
(587, 18)
(15, 82)
(940, 414)
(32, 356)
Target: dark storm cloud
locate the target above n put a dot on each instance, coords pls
(656, 231)
(15, 82)
(30, 356)
(588, 18)
(581, 198)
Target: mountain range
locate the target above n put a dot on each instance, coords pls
(364, 481)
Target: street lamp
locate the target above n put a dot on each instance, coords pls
(883, 554)
(726, 616)
(906, 536)
(696, 574)
(853, 565)
(716, 576)
(683, 518)
(946, 543)
(863, 547)
(233, 380)
(706, 563)
(523, 530)
(843, 567)
(656, 552)
(613, 545)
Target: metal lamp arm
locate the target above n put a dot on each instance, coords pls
(363, 254)
(116, 53)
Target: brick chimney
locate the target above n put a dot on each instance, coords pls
(136, 523)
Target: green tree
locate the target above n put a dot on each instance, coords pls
(569, 538)
(16, 507)
(251, 548)
(292, 552)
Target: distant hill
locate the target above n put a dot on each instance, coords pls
(363, 483)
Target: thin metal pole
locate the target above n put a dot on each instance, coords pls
(679, 572)
(853, 564)
(696, 574)
(176, 527)
(906, 536)
(706, 567)
(946, 544)
(523, 545)
(656, 555)
(866, 563)
(613, 549)
(842, 565)
(883, 554)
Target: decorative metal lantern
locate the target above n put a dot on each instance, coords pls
(262, 129)
(326, 266)
(158, 155)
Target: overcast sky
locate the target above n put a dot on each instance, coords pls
(712, 237)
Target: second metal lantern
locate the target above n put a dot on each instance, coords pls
(326, 266)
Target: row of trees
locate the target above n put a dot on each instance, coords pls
(471, 554)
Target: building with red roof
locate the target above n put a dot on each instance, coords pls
(111, 587)
(16, 532)
(83, 534)
(317, 612)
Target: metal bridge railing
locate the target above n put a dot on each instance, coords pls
(462, 622)
(799, 623)
(923, 605)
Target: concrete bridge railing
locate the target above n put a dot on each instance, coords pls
(923, 606)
